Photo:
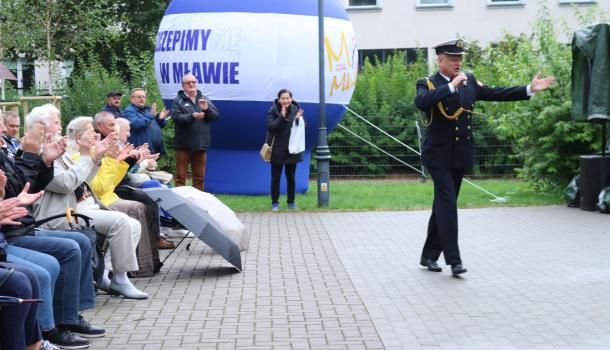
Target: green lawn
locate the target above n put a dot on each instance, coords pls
(367, 195)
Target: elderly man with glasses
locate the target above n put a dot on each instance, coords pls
(145, 123)
(192, 113)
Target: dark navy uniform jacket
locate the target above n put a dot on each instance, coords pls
(449, 143)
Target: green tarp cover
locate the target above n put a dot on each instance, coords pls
(591, 91)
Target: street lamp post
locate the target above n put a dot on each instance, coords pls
(322, 150)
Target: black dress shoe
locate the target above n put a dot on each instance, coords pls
(85, 329)
(64, 339)
(430, 264)
(458, 269)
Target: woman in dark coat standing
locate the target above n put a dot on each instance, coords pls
(279, 123)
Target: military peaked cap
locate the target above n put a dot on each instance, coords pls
(451, 47)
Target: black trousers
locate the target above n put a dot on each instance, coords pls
(276, 173)
(443, 224)
(152, 207)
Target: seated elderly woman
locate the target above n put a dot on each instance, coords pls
(112, 170)
(73, 170)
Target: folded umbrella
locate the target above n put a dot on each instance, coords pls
(5, 300)
(198, 221)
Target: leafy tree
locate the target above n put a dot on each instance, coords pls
(545, 140)
(52, 30)
(135, 24)
(86, 93)
(384, 93)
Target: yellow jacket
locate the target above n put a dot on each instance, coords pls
(109, 175)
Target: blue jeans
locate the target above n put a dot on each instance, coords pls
(74, 287)
(18, 322)
(46, 269)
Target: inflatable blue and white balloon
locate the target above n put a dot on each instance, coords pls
(243, 52)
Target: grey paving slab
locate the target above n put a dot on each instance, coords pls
(293, 294)
(538, 278)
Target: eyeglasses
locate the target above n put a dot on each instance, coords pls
(190, 82)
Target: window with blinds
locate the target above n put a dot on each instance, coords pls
(434, 3)
(356, 3)
(505, 2)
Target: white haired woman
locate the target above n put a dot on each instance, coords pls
(69, 189)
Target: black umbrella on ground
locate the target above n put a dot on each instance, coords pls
(199, 222)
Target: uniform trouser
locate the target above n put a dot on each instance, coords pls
(443, 224)
(197, 159)
(123, 235)
(18, 321)
(276, 174)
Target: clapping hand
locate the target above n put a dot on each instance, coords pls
(541, 84)
(203, 104)
(113, 151)
(33, 139)
(164, 113)
(26, 198)
(141, 153)
(11, 211)
(2, 184)
(102, 146)
(151, 164)
(54, 149)
(9, 208)
(125, 152)
(299, 114)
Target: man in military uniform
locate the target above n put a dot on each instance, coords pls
(447, 98)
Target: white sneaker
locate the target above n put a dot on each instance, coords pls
(178, 233)
(48, 346)
(165, 231)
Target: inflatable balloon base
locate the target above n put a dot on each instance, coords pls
(243, 172)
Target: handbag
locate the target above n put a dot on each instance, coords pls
(266, 150)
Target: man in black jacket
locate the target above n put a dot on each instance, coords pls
(113, 104)
(192, 114)
(448, 98)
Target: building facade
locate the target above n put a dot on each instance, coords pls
(382, 26)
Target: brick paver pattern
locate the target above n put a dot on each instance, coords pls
(293, 294)
(538, 279)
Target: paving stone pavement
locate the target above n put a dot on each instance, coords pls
(537, 279)
(293, 294)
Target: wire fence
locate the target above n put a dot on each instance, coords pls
(353, 158)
